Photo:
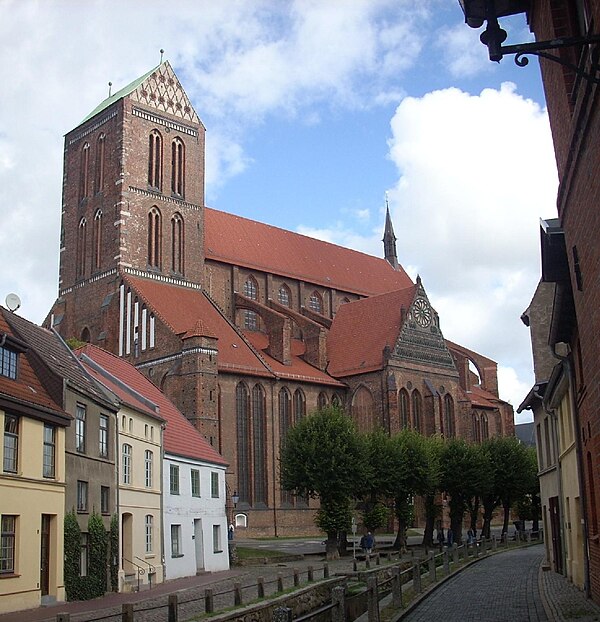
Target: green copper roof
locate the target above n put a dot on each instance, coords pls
(119, 94)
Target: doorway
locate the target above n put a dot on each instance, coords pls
(199, 544)
(45, 555)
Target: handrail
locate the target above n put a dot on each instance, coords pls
(140, 569)
(151, 570)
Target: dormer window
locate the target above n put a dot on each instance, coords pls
(8, 363)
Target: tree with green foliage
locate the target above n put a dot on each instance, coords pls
(98, 556)
(323, 456)
(113, 551)
(411, 478)
(510, 463)
(463, 471)
(433, 451)
(72, 556)
(529, 506)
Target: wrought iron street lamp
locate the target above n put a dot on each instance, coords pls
(478, 12)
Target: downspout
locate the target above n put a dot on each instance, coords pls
(274, 459)
(162, 509)
(566, 360)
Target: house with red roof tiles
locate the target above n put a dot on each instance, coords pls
(32, 478)
(246, 327)
(186, 527)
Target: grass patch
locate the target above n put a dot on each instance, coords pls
(245, 553)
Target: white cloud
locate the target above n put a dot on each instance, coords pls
(476, 173)
(461, 51)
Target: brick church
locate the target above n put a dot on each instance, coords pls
(246, 327)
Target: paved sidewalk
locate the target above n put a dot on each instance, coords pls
(562, 601)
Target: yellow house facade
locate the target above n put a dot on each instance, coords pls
(32, 482)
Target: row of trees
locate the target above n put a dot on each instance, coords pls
(325, 457)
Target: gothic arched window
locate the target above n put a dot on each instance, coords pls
(177, 167)
(403, 407)
(363, 410)
(154, 237)
(299, 405)
(259, 435)
(322, 401)
(155, 160)
(97, 241)
(417, 411)
(81, 247)
(485, 429)
(177, 243)
(285, 423)
(315, 302)
(284, 296)
(476, 428)
(449, 424)
(242, 412)
(251, 291)
(100, 162)
(84, 179)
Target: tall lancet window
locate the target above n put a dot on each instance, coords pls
(155, 160)
(84, 179)
(100, 162)
(177, 243)
(177, 167)
(81, 247)
(97, 241)
(154, 238)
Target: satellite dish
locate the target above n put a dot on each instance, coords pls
(13, 302)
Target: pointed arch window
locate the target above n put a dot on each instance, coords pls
(81, 247)
(403, 407)
(417, 410)
(242, 409)
(84, 183)
(315, 302)
(177, 167)
(299, 405)
(485, 428)
(177, 243)
(284, 296)
(251, 291)
(97, 241)
(476, 428)
(154, 237)
(449, 423)
(363, 410)
(100, 147)
(259, 432)
(285, 423)
(155, 160)
(322, 401)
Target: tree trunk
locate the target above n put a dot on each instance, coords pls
(430, 516)
(457, 510)
(488, 511)
(331, 547)
(473, 512)
(506, 506)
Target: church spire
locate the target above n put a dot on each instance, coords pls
(389, 239)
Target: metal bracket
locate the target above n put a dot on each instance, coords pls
(540, 49)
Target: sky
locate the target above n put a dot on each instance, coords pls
(316, 110)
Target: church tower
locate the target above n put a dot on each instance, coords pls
(133, 197)
(389, 240)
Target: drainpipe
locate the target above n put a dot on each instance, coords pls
(273, 454)
(566, 361)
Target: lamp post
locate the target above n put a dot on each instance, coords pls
(234, 499)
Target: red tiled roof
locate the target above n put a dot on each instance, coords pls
(362, 329)
(298, 370)
(27, 388)
(180, 436)
(239, 241)
(181, 308)
(482, 398)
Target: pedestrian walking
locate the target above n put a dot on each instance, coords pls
(440, 536)
(369, 543)
(449, 537)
